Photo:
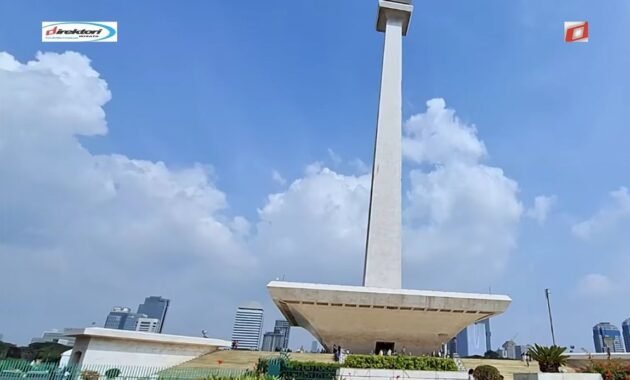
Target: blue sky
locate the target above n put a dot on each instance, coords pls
(248, 88)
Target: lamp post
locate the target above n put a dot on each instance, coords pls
(553, 336)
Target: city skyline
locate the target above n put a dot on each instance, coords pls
(254, 161)
(149, 317)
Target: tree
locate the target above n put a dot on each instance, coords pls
(491, 355)
(549, 359)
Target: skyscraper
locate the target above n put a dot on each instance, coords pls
(248, 325)
(121, 318)
(625, 327)
(607, 336)
(117, 317)
(155, 307)
(272, 341)
(509, 347)
(282, 327)
(278, 339)
(459, 344)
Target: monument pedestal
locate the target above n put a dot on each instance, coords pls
(363, 319)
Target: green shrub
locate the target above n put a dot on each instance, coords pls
(549, 359)
(242, 377)
(89, 375)
(261, 366)
(112, 373)
(609, 369)
(296, 370)
(487, 372)
(413, 363)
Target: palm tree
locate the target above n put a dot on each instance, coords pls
(549, 359)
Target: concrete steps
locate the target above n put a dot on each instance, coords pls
(246, 359)
(229, 359)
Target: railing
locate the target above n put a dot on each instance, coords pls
(278, 367)
(21, 369)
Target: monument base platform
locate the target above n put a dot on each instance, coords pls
(365, 319)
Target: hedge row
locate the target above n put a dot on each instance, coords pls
(414, 363)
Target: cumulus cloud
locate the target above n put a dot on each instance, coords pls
(278, 178)
(612, 216)
(541, 208)
(78, 227)
(319, 222)
(334, 157)
(595, 285)
(461, 214)
(439, 137)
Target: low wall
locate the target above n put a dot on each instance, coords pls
(557, 376)
(397, 374)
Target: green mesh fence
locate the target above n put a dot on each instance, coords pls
(21, 369)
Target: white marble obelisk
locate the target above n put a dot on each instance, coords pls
(383, 247)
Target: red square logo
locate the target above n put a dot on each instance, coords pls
(576, 31)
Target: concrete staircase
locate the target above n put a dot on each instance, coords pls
(229, 359)
(246, 359)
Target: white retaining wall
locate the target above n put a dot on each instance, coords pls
(557, 376)
(397, 374)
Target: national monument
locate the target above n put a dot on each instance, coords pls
(380, 315)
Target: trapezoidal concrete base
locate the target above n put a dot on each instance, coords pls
(357, 317)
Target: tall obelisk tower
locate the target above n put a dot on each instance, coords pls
(383, 247)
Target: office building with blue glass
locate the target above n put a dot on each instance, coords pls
(607, 337)
(155, 307)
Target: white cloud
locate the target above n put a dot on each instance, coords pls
(462, 215)
(278, 178)
(595, 285)
(359, 166)
(611, 217)
(439, 137)
(315, 230)
(80, 227)
(334, 157)
(541, 208)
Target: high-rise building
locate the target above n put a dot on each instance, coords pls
(147, 324)
(509, 347)
(121, 318)
(315, 347)
(155, 307)
(272, 341)
(282, 327)
(248, 325)
(607, 336)
(278, 339)
(117, 317)
(625, 327)
(459, 344)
